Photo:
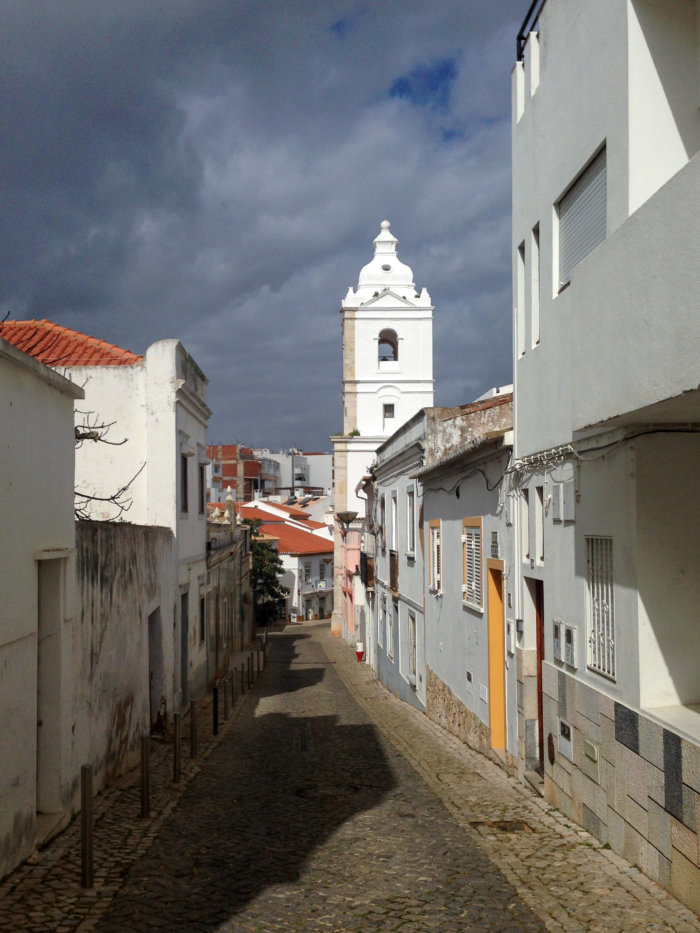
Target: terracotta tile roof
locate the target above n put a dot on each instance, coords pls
(297, 541)
(54, 345)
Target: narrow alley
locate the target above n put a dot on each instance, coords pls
(330, 805)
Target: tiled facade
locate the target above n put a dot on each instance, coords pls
(633, 783)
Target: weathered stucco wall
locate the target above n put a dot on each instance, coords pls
(36, 597)
(127, 593)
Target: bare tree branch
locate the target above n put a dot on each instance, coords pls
(118, 499)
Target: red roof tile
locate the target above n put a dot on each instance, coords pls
(54, 345)
(297, 541)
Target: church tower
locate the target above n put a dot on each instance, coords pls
(387, 326)
(387, 345)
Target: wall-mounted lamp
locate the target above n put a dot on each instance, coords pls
(345, 519)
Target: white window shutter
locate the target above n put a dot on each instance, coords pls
(582, 216)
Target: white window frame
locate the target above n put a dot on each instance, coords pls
(600, 606)
(411, 521)
(435, 563)
(390, 632)
(472, 563)
(394, 521)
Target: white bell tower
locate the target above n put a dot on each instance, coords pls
(387, 378)
(387, 363)
(387, 345)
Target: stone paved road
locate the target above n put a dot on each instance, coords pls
(329, 805)
(307, 818)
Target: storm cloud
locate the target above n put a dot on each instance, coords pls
(216, 171)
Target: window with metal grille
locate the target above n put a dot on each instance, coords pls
(601, 612)
(582, 216)
(435, 575)
(471, 551)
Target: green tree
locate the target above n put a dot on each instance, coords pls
(266, 571)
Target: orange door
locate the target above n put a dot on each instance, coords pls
(497, 657)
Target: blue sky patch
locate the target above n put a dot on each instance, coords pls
(340, 27)
(427, 85)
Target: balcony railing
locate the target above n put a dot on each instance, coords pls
(529, 23)
(394, 571)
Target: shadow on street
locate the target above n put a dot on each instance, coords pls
(297, 764)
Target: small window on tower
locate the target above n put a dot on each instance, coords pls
(388, 411)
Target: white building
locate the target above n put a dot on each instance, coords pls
(387, 326)
(148, 465)
(37, 603)
(606, 227)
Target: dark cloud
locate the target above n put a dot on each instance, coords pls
(216, 171)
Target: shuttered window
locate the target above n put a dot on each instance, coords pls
(601, 609)
(582, 217)
(471, 543)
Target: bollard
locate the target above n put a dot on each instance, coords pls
(193, 729)
(232, 679)
(227, 699)
(215, 710)
(145, 776)
(242, 679)
(86, 827)
(177, 747)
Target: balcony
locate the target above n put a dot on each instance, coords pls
(394, 571)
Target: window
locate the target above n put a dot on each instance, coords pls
(202, 619)
(535, 285)
(411, 521)
(435, 569)
(582, 217)
(525, 522)
(388, 350)
(307, 571)
(388, 411)
(382, 522)
(184, 501)
(322, 570)
(601, 613)
(539, 523)
(520, 299)
(412, 644)
(202, 489)
(381, 625)
(394, 522)
(391, 621)
(472, 560)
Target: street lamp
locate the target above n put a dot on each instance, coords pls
(346, 519)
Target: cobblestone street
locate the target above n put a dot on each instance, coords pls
(327, 804)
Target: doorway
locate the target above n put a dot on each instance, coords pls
(497, 680)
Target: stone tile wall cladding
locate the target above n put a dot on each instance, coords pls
(446, 709)
(641, 795)
(528, 750)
